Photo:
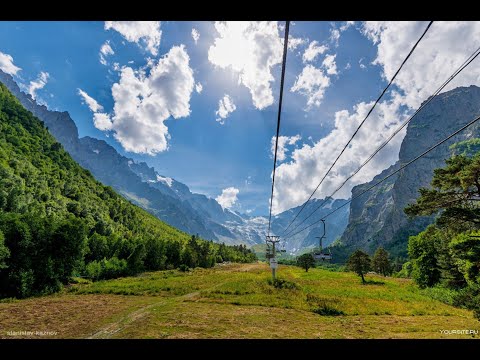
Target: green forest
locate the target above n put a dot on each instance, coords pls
(57, 221)
(445, 257)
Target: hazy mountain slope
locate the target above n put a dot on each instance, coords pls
(377, 218)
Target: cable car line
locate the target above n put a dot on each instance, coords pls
(467, 62)
(284, 61)
(361, 124)
(395, 172)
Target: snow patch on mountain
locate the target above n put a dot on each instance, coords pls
(166, 180)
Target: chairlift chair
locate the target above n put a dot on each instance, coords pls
(322, 255)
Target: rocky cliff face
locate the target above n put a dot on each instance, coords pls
(377, 217)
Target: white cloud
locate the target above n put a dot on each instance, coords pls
(7, 65)
(91, 102)
(147, 32)
(311, 83)
(250, 49)
(310, 162)
(361, 64)
(195, 35)
(336, 32)
(38, 84)
(293, 43)
(102, 121)
(282, 149)
(105, 50)
(437, 56)
(228, 197)
(444, 48)
(347, 25)
(313, 50)
(225, 108)
(198, 88)
(335, 36)
(143, 102)
(348, 66)
(330, 65)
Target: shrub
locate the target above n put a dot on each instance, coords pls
(183, 268)
(106, 269)
(283, 284)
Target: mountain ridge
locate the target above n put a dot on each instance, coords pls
(163, 196)
(377, 218)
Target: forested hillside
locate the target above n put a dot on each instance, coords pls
(57, 221)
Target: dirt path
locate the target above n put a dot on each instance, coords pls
(111, 329)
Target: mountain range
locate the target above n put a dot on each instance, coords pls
(376, 218)
(163, 196)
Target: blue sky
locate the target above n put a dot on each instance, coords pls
(333, 73)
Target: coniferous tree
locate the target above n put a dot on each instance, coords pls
(381, 262)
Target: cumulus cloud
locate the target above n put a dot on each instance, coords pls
(102, 121)
(311, 83)
(195, 35)
(38, 84)
(7, 65)
(91, 102)
(144, 101)
(437, 56)
(310, 162)
(198, 88)
(250, 49)
(146, 32)
(225, 108)
(282, 148)
(443, 49)
(105, 50)
(293, 43)
(314, 49)
(228, 197)
(330, 65)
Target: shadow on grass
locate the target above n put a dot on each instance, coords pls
(373, 282)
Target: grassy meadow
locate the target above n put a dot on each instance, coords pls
(237, 301)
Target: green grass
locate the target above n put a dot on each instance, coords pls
(239, 301)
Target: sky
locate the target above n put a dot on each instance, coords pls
(198, 101)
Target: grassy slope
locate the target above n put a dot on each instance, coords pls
(235, 301)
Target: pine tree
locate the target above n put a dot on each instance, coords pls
(381, 262)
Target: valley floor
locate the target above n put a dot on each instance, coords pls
(236, 301)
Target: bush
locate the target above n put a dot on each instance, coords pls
(442, 294)
(106, 269)
(322, 306)
(283, 284)
(469, 298)
(327, 310)
(183, 268)
(406, 271)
